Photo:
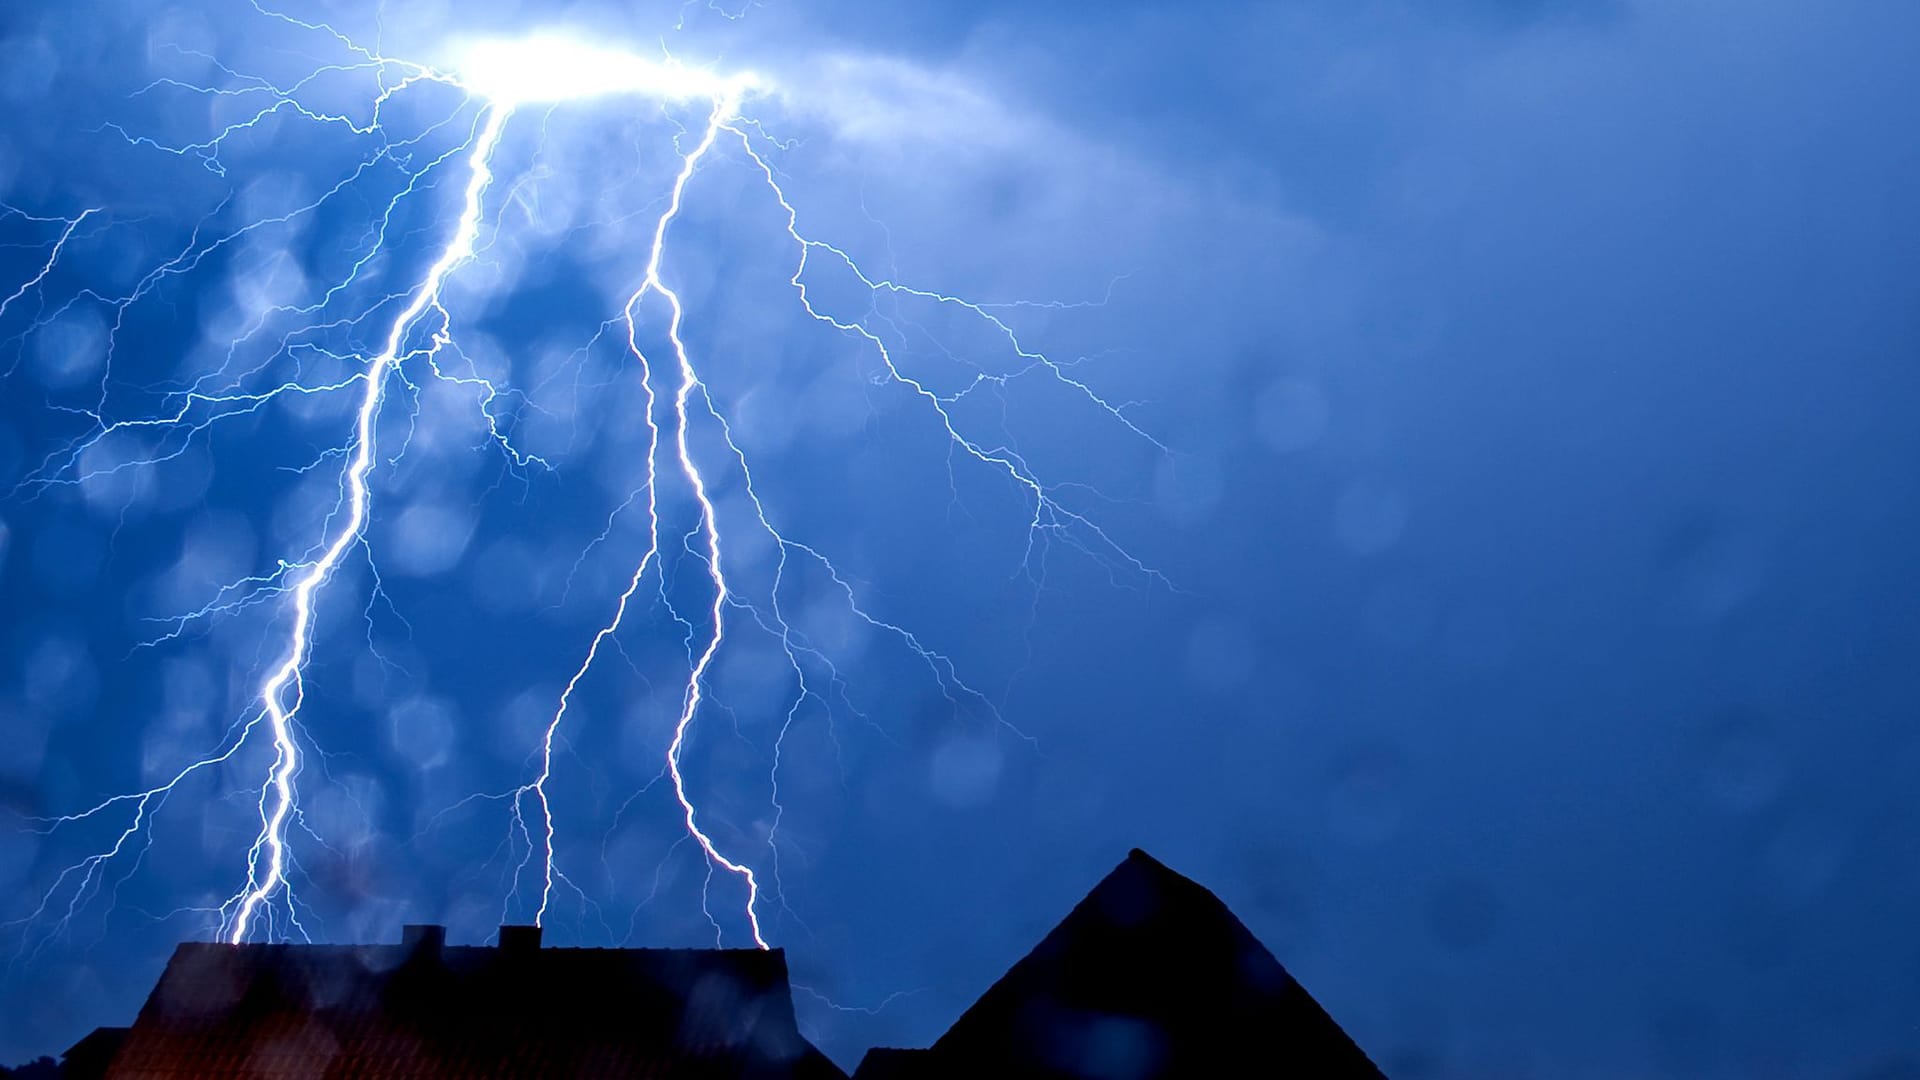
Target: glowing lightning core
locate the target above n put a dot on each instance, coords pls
(551, 68)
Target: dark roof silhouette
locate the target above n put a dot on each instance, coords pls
(88, 1059)
(427, 1010)
(1149, 976)
(892, 1063)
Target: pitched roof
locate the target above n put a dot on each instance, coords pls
(1149, 976)
(431, 1011)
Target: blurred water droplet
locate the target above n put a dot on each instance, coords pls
(26, 732)
(422, 730)
(1801, 859)
(1221, 654)
(59, 675)
(1280, 893)
(1742, 766)
(71, 349)
(1110, 1048)
(1365, 802)
(1368, 518)
(428, 539)
(1187, 490)
(1463, 913)
(1291, 414)
(965, 770)
(506, 577)
(1711, 567)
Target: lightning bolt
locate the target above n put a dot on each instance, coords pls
(286, 681)
(496, 80)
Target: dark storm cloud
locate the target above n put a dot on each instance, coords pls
(1542, 370)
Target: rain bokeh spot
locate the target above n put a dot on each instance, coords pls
(28, 66)
(1111, 1048)
(59, 675)
(1187, 490)
(503, 577)
(1369, 518)
(1742, 766)
(70, 350)
(1365, 801)
(965, 770)
(422, 730)
(1801, 858)
(1462, 913)
(1221, 654)
(429, 539)
(1291, 415)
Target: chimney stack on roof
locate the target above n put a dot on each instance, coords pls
(516, 940)
(424, 938)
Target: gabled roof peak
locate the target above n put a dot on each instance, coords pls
(1154, 962)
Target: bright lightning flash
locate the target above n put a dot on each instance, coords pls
(494, 78)
(549, 68)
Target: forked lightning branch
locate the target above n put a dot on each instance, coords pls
(497, 83)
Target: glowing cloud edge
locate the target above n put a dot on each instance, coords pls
(551, 67)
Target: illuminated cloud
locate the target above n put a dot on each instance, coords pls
(551, 67)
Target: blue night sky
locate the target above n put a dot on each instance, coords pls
(1475, 449)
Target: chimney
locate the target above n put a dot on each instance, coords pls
(519, 940)
(423, 938)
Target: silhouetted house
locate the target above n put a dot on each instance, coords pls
(1149, 976)
(424, 1009)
